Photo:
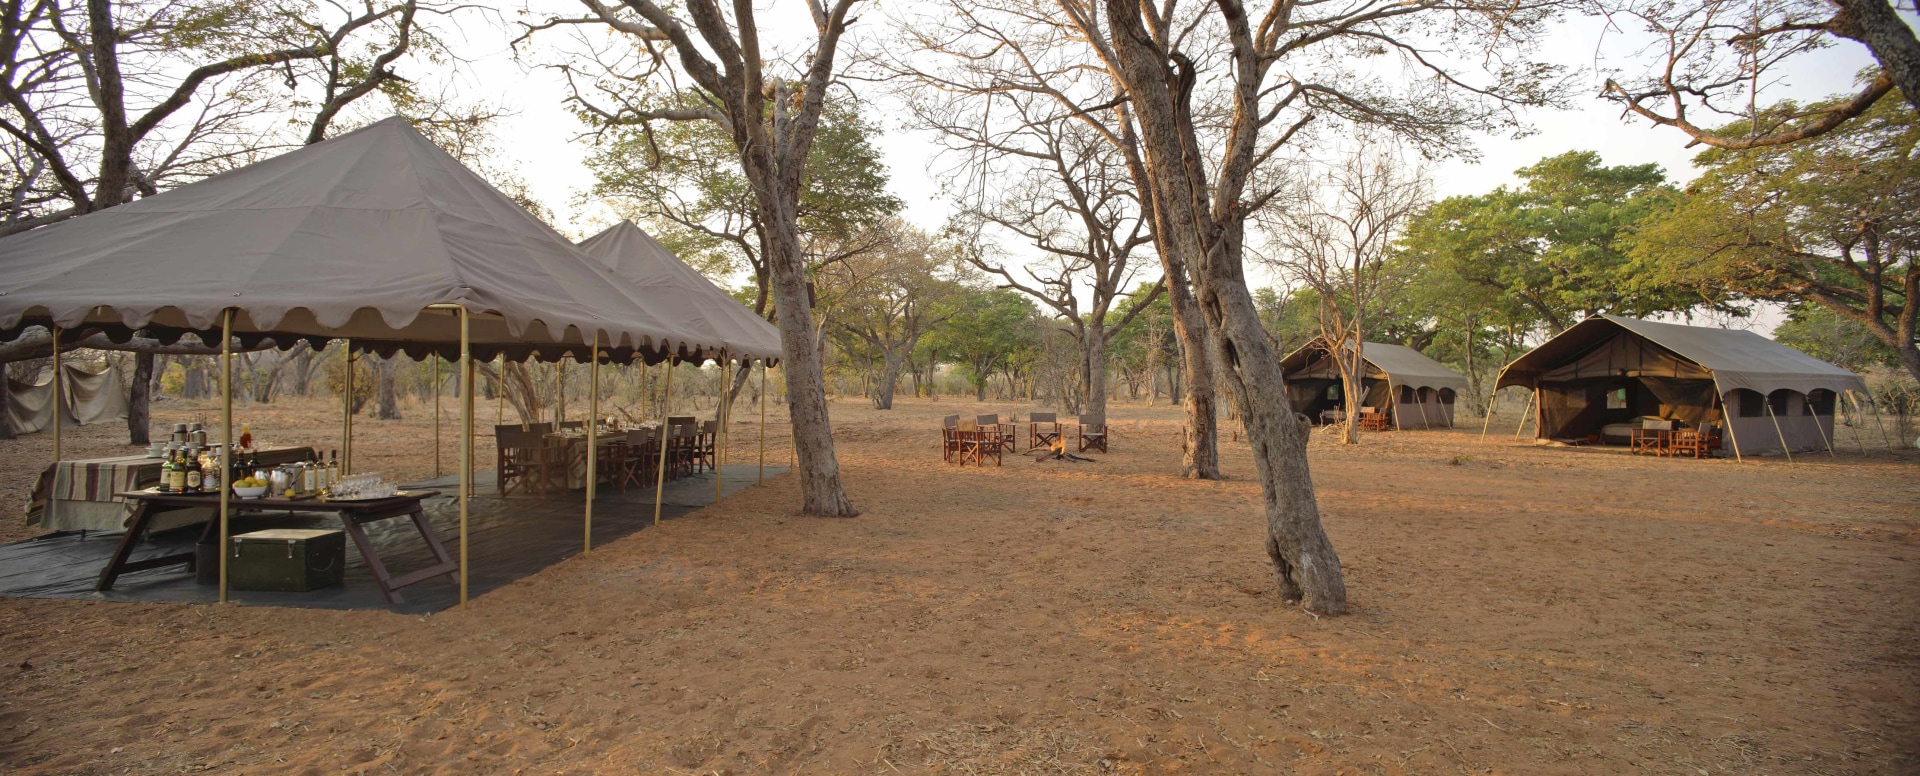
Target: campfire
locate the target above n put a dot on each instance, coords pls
(1058, 452)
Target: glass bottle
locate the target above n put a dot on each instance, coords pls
(192, 480)
(166, 476)
(246, 436)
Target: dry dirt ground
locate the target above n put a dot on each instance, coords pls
(1515, 610)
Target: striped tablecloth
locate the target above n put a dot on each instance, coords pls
(78, 495)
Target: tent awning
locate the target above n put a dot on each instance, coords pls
(1400, 364)
(1732, 358)
(352, 237)
(668, 285)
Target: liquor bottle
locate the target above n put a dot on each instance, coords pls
(193, 475)
(308, 482)
(333, 468)
(246, 436)
(210, 479)
(177, 477)
(166, 476)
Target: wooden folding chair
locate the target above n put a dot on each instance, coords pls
(1650, 438)
(1009, 432)
(527, 463)
(1093, 433)
(1043, 429)
(949, 438)
(642, 461)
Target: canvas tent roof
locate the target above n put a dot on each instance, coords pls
(681, 292)
(1735, 359)
(1401, 364)
(351, 237)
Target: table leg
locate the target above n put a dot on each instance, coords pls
(372, 557)
(433, 543)
(136, 528)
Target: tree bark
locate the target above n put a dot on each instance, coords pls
(889, 379)
(1875, 24)
(388, 407)
(821, 491)
(1094, 360)
(1306, 568)
(140, 400)
(1200, 449)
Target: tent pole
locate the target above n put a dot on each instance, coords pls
(1425, 422)
(346, 418)
(1489, 422)
(226, 432)
(57, 403)
(1728, 416)
(500, 392)
(1882, 424)
(1815, 414)
(660, 480)
(763, 422)
(436, 414)
(1523, 413)
(720, 428)
(593, 434)
(1777, 432)
(466, 440)
(1856, 422)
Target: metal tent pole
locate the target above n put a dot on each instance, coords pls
(720, 428)
(346, 417)
(1814, 412)
(57, 394)
(436, 414)
(466, 440)
(1776, 430)
(660, 480)
(763, 422)
(1525, 411)
(500, 392)
(593, 434)
(1728, 416)
(1489, 421)
(1421, 402)
(1856, 421)
(226, 448)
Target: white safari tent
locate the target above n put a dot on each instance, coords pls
(1598, 380)
(1414, 390)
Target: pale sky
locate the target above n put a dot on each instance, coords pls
(539, 139)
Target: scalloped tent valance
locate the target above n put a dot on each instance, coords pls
(355, 237)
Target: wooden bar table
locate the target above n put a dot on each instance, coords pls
(353, 514)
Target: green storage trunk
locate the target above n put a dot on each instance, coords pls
(287, 560)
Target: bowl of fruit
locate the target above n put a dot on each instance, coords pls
(250, 487)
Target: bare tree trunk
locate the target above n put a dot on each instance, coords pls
(1306, 568)
(140, 399)
(388, 407)
(1200, 448)
(821, 491)
(1095, 362)
(889, 379)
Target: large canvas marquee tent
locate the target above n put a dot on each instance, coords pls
(680, 292)
(376, 236)
(1605, 375)
(1415, 391)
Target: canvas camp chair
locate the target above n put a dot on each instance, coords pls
(611, 463)
(1043, 429)
(527, 463)
(1009, 435)
(1697, 442)
(1372, 419)
(705, 446)
(642, 459)
(949, 438)
(1651, 437)
(1093, 433)
(978, 444)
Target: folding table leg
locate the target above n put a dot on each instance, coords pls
(136, 527)
(372, 557)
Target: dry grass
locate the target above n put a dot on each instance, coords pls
(1516, 610)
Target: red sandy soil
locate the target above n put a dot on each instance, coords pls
(1516, 610)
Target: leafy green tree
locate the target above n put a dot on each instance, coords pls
(991, 329)
(684, 181)
(1832, 221)
(1554, 250)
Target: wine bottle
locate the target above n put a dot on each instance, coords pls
(177, 476)
(166, 475)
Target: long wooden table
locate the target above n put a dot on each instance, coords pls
(352, 514)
